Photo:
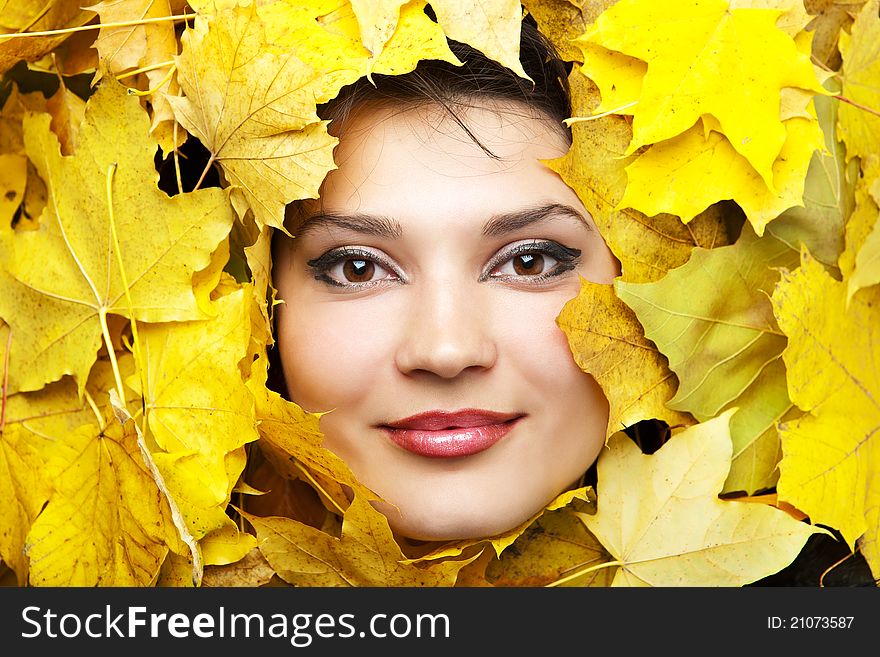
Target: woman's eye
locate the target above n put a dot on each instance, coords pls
(526, 264)
(358, 270)
(532, 261)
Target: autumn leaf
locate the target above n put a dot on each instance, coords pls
(828, 194)
(199, 411)
(30, 205)
(860, 49)
(67, 267)
(25, 490)
(254, 110)
(722, 340)
(689, 172)
(328, 36)
(377, 21)
(830, 454)
(553, 545)
(685, 44)
(563, 21)
(754, 464)
(34, 423)
(490, 26)
(720, 336)
(609, 343)
(251, 570)
(647, 247)
(106, 523)
(660, 517)
(830, 18)
(366, 553)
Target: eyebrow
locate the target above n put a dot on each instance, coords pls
(508, 222)
(497, 225)
(366, 224)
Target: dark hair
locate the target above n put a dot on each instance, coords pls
(479, 78)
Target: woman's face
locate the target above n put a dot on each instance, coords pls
(420, 305)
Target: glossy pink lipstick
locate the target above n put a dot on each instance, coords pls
(451, 433)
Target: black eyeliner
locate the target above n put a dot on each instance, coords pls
(322, 264)
(567, 258)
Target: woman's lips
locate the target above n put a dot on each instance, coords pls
(449, 434)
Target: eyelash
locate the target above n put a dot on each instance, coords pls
(566, 260)
(322, 265)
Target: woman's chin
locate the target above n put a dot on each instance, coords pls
(452, 524)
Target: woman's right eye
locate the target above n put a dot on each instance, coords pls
(351, 268)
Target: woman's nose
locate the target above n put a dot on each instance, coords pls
(446, 331)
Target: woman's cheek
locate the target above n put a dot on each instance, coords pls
(334, 356)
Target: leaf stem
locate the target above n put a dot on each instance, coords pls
(111, 172)
(205, 171)
(859, 105)
(162, 83)
(144, 69)
(105, 331)
(177, 161)
(578, 573)
(309, 476)
(579, 119)
(101, 421)
(98, 26)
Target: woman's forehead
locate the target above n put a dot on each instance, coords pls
(483, 135)
(391, 159)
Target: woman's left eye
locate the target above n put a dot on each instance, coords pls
(534, 260)
(526, 264)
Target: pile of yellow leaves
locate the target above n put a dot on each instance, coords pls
(730, 148)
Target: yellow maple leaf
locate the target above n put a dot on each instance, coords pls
(25, 490)
(552, 546)
(832, 453)
(34, 423)
(828, 193)
(647, 247)
(328, 36)
(660, 517)
(106, 523)
(609, 343)
(255, 111)
(66, 267)
(722, 341)
(377, 21)
(198, 409)
(490, 26)
(686, 45)
(366, 553)
(689, 172)
(720, 335)
(860, 49)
